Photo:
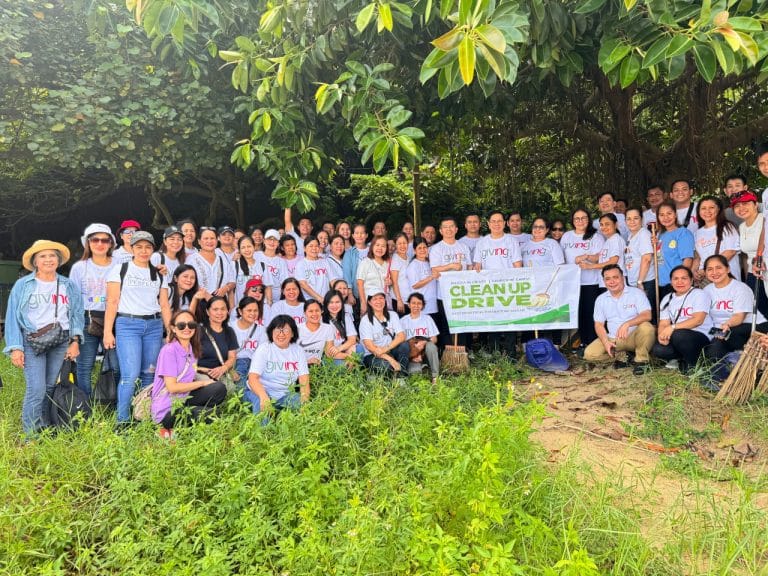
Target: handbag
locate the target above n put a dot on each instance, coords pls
(142, 402)
(229, 378)
(50, 335)
(95, 325)
(105, 392)
(68, 404)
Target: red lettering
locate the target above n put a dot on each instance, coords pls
(291, 366)
(724, 305)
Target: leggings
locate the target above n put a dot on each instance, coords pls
(587, 296)
(685, 345)
(199, 402)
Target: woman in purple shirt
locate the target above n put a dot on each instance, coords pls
(175, 376)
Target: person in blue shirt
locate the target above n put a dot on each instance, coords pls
(675, 245)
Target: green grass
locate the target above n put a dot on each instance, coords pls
(366, 479)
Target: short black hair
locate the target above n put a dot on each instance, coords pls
(280, 321)
(688, 182)
(735, 176)
(607, 193)
(611, 267)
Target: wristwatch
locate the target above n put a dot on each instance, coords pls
(74, 339)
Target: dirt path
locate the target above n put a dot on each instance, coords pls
(600, 416)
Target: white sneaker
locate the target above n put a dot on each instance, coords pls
(672, 365)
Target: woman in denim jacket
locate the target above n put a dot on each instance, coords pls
(36, 301)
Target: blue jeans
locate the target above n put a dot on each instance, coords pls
(138, 345)
(291, 401)
(89, 348)
(242, 365)
(40, 373)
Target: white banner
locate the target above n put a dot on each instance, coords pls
(511, 300)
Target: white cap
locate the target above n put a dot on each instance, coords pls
(95, 229)
(272, 233)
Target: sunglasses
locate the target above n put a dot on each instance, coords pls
(256, 288)
(558, 229)
(185, 325)
(211, 228)
(98, 240)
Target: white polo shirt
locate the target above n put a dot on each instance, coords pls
(618, 310)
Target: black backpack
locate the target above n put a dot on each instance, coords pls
(67, 400)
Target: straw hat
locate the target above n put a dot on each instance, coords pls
(39, 246)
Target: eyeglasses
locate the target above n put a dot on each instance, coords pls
(538, 227)
(186, 325)
(128, 232)
(100, 240)
(558, 229)
(284, 331)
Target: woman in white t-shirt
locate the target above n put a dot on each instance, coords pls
(250, 334)
(582, 246)
(421, 335)
(373, 272)
(730, 310)
(37, 302)
(276, 367)
(90, 275)
(398, 264)
(745, 207)
(383, 338)
(291, 302)
(137, 309)
(315, 337)
(613, 247)
(422, 278)
(340, 318)
(541, 250)
(312, 270)
(715, 235)
(684, 321)
(638, 258)
(171, 254)
(290, 256)
(248, 267)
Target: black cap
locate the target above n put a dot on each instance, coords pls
(225, 229)
(171, 230)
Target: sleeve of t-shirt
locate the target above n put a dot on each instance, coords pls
(258, 360)
(362, 269)
(231, 338)
(394, 323)
(114, 274)
(366, 329)
(615, 247)
(301, 271)
(168, 362)
(599, 313)
(303, 367)
(641, 301)
(730, 241)
(229, 271)
(76, 274)
(435, 256)
(644, 246)
(686, 243)
(596, 244)
(701, 301)
(557, 253)
(742, 298)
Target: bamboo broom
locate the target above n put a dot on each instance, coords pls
(455, 358)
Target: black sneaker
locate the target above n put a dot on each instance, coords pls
(640, 368)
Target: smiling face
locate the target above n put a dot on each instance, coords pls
(289, 248)
(291, 293)
(379, 229)
(762, 164)
(614, 281)
(515, 224)
(539, 229)
(190, 235)
(709, 211)
(606, 203)
(634, 220)
(496, 224)
(408, 230)
(745, 210)
(401, 246)
(258, 237)
(379, 248)
(208, 240)
(181, 326)
(323, 239)
(217, 312)
(448, 230)
(378, 302)
(716, 271)
(270, 246)
(359, 236)
(607, 227)
(421, 252)
(580, 221)
(46, 261)
(557, 230)
(227, 241)
(246, 247)
(416, 306)
(667, 217)
(142, 251)
(337, 247)
(681, 281)
(174, 243)
(312, 250)
(429, 234)
(314, 313)
(342, 288)
(734, 186)
(186, 280)
(282, 335)
(305, 227)
(99, 244)
(681, 193)
(345, 231)
(654, 197)
(335, 305)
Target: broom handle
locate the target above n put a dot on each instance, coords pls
(456, 340)
(546, 290)
(758, 261)
(656, 268)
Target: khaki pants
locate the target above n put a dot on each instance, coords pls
(640, 342)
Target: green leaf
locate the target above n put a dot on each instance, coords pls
(679, 45)
(745, 24)
(615, 57)
(492, 37)
(229, 56)
(724, 57)
(494, 60)
(467, 60)
(657, 52)
(33, 146)
(411, 132)
(629, 4)
(381, 154)
(398, 116)
(364, 17)
(266, 121)
(465, 9)
(705, 61)
(449, 40)
(59, 127)
(630, 67)
(408, 145)
(589, 6)
(368, 152)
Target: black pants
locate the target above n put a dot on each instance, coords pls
(199, 402)
(684, 345)
(649, 287)
(762, 299)
(587, 296)
(719, 349)
(445, 338)
(399, 353)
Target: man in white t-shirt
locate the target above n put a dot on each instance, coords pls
(304, 226)
(682, 190)
(762, 164)
(606, 202)
(654, 196)
(627, 313)
(447, 255)
(734, 184)
(471, 238)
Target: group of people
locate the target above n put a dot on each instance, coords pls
(208, 311)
